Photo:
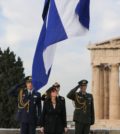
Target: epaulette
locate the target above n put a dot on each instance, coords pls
(61, 97)
(44, 96)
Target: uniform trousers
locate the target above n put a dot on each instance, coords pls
(27, 128)
(81, 128)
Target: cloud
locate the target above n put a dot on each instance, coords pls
(20, 24)
(23, 22)
(110, 21)
(118, 2)
(105, 20)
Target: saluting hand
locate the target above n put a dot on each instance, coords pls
(65, 129)
(42, 129)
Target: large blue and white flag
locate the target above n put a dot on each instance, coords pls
(63, 19)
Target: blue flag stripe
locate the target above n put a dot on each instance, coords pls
(82, 10)
(38, 69)
(55, 30)
(45, 10)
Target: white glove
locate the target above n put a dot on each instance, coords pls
(65, 129)
(42, 129)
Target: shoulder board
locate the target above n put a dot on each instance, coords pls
(38, 93)
(77, 93)
(20, 89)
(24, 89)
(61, 97)
(89, 94)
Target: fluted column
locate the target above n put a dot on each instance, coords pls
(92, 83)
(96, 91)
(101, 92)
(106, 93)
(114, 92)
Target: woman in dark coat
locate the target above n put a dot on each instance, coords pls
(53, 120)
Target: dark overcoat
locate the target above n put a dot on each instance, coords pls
(54, 119)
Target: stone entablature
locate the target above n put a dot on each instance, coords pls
(105, 52)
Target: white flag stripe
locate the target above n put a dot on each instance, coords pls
(69, 18)
(48, 56)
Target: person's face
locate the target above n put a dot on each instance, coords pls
(29, 85)
(83, 88)
(54, 93)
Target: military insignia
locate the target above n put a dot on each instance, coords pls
(30, 78)
(84, 82)
(80, 97)
(34, 96)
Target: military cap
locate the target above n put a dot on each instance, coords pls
(52, 89)
(48, 91)
(83, 82)
(56, 84)
(28, 79)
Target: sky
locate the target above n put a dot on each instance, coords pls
(20, 25)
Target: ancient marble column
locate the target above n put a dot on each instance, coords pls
(106, 93)
(97, 91)
(114, 93)
(101, 92)
(92, 88)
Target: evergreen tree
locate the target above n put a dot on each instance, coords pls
(11, 73)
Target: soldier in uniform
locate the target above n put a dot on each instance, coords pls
(84, 108)
(29, 108)
(53, 119)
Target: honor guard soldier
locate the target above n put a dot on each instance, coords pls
(84, 108)
(29, 108)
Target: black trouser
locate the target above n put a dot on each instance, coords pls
(27, 128)
(82, 128)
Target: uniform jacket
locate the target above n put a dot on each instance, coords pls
(84, 107)
(31, 113)
(54, 119)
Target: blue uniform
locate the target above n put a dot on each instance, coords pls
(29, 111)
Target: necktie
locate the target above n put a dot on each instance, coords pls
(30, 93)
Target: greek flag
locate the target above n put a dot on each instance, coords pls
(63, 19)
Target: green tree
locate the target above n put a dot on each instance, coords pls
(11, 73)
